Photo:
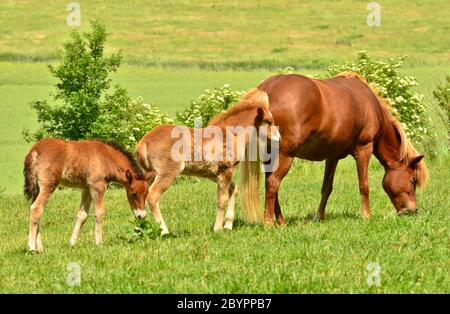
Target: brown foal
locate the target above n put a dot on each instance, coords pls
(88, 165)
(159, 155)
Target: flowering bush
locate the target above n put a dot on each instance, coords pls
(124, 120)
(209, 104)
(442, 95)
(82, 107)
(407, 104)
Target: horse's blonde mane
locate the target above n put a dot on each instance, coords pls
(252, 99)
(407, 150)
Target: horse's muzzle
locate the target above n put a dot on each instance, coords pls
(408, 211)
(140, 213)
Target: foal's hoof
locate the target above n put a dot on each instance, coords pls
(228, 227)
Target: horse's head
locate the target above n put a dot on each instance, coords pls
(265, 125)
(137, 189)
(400, 184)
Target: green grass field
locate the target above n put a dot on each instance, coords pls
(173, 50)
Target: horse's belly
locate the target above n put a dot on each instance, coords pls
(317, 150)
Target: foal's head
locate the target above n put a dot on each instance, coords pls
(137, 189)
(400, 184)
(265, 125)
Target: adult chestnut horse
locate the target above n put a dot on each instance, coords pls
(88, 165)
(331, 119)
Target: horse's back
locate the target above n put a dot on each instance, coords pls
(321, 119)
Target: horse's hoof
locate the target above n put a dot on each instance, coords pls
(228, 227)
(317, 218)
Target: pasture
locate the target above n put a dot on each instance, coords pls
(173, 50)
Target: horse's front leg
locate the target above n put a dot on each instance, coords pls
(362, 155)
(98, 196)
(81, 216)
(327, 186)
(223, 185)
(229, 216)
(273, 181)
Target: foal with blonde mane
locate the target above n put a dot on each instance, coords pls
(213, 153)
(88, 165)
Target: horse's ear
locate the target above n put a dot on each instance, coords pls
(415, 161)
(129, 176)
(259, 115)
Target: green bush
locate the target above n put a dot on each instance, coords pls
(82, 107)
(211, 103)
(407, 104)
(125, 120)
(442, 96)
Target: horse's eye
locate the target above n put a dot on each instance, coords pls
(414, 180)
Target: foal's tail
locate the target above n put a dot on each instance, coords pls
(252, 210)
(31, 186)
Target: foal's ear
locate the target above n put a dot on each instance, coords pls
(415, 161)
(129, 176)
(259, 115)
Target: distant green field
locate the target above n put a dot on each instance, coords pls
(235, 33)
(173, 51)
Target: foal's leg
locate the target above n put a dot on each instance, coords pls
(98, 196)
(273, 180)
(229, 216)
(82, 215)
(362, 155)
(36, 209)
(327, 186)
(159, 186)
(223, 185)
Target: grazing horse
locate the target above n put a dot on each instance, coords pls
(331, 119)
(219, 148)
(88, 165)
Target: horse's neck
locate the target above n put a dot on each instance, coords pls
(387, 149)
(243, 118)
(118, 174)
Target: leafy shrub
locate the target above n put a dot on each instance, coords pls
(407, 104)
(83, 108)
(209, 104)
(442, 95)
(83, 78)
(125, 120)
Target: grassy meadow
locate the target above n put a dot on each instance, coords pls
(173, 50)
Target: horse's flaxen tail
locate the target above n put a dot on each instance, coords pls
(31, 186)
(250, 198)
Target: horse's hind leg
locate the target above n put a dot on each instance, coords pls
(82, 215)
(327, 186)
(36, 209)
(159, 186)
(229, 216)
